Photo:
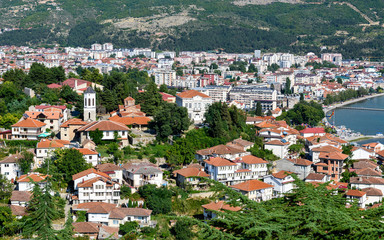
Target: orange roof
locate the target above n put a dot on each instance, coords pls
(36, 177)
(327, 148)
(89, 171)
(73, 121)
(90, 182)
(220, 205)
(86, 151)
(45, 143)
(252, 185)
(191, 172)
(250, 159)
(277, 142)
(191, 94)
(265, 124)
(104, 125)
(132, 120)
(301, 161)
(46, 114)
(355, 193)
(282, 174)
(29, 123)
(219, 162)
(333, 155)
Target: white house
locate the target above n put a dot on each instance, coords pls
(353, 195)
(27, 129)
(222, 151)
(139, 174)
(89, 155)
(114, 171)
(111, 215)
(301, 167)
(310, 132)
(108, 128)
(278, 147)
(24, 183)
(255, 190)
(362, 153)
(46, 147)
(9, 167)
(282, 182)
(374, 195)
(20, 198)
(366, 182)
(217, 206)
(196, 103)
(94, 186)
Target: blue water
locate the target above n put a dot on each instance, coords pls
(363, 121)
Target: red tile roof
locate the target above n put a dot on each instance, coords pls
(73, 121)
(45, 143)
(220, 205)
(277, 142)
(219, 162)
(372, 191)
(282, 174)
(87, 172)
(333, 156)
(250, 159)
(355, 193)
(36, 177)
(191, 172)
(313, 130)
(191, 94)
(252, 185)
(132, 120)
(86, 151)
(104, 125)
(29, 123)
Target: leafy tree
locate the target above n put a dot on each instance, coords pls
(26, 162)
(96, 136)
(259, 111)
(169, 119)
(273, 67)
(6, 188)
(157, 199)
(301, 97)
(303, 112)
(128, 227)
(125, 192)
(163, 88)
(7, 120)
(296, 148)
(181, 152)
(69, 162)
(6, 218)
(182, 230)
(252, 68)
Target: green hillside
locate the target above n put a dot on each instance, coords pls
(354, 28)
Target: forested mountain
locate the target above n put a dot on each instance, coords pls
(353, 27)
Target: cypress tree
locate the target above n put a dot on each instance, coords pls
(259, 109)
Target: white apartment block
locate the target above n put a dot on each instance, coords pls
(217, 93)
(250, 95)
(165, 77)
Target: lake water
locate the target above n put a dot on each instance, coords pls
(363, 121)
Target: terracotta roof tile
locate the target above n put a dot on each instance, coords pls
(315, 176)
(219, 206)
(18, 210)
(21, 196)
(250, 159)
(104, 125)
(355, 193)
(191, 172)
(277, 142)
(372, 191)
(252, 185)
(86, 227)
(367, 172)
(333, 156)
(282, 174)
(14, 158)
(133, 120)
(29, 123)
(89, 171)
(220, 150)
(45, 143)
(191, 94)
(86, 151)
(300, 161)
(73, 121)
(36, 177)
(367, 180)
(218, 162)
(95, 207)
(108, 167)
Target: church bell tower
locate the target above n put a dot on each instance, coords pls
(89, 105)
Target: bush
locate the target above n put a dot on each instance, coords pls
(81, 216)
(153, 160)
(23, 143)
(128, 227)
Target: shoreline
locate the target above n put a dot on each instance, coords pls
(333, 107)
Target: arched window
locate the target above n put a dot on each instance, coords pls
(93, 102)
(89, 115)
(85, 102)
(89, 102)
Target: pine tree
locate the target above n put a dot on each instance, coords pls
(259, 109)
(42, 212)
(67, 231)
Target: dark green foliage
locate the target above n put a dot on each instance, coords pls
(182, 230)
(303, 112)
(23, 143)
(259, 151)
(317, 65)
(346, 176)
(157, 199)
(69, 162)
(150, 100)
(273, 67)
(224, 122)
(81, 216)
(96, 136)
(125, 192)
(128, 227)
(6, 188)
(42, 212)
(26, 162)
(345, 95)
(287, 88)
(259, 111)
(169, 119)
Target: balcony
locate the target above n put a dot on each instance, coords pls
(197, 109)
(29, 133)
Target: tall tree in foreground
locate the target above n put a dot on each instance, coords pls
(259, 111)
(42, 211)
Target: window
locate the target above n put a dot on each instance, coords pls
(90, 157)
(107, 134)
(116, 194)
(6, 173)
(115, 222)
(6, 165)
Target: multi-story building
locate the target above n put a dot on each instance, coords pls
(302, 78)
(282, 182)
(69, 128)
(91, 156)
(250, 95)
(9, 167)
(166, 77)
(27, 129)
(139, 174)
(94, 186)
(45, 148)
(331, 163)
(217, 93)
(27, 182)
(233, 172)
(196, 103)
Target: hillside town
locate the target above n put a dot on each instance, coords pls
(202, 121)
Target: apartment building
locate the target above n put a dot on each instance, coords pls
(250, 95)
(27, 129)
(139, 174)
(255, 190)
(217, 93)
(166, 77)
